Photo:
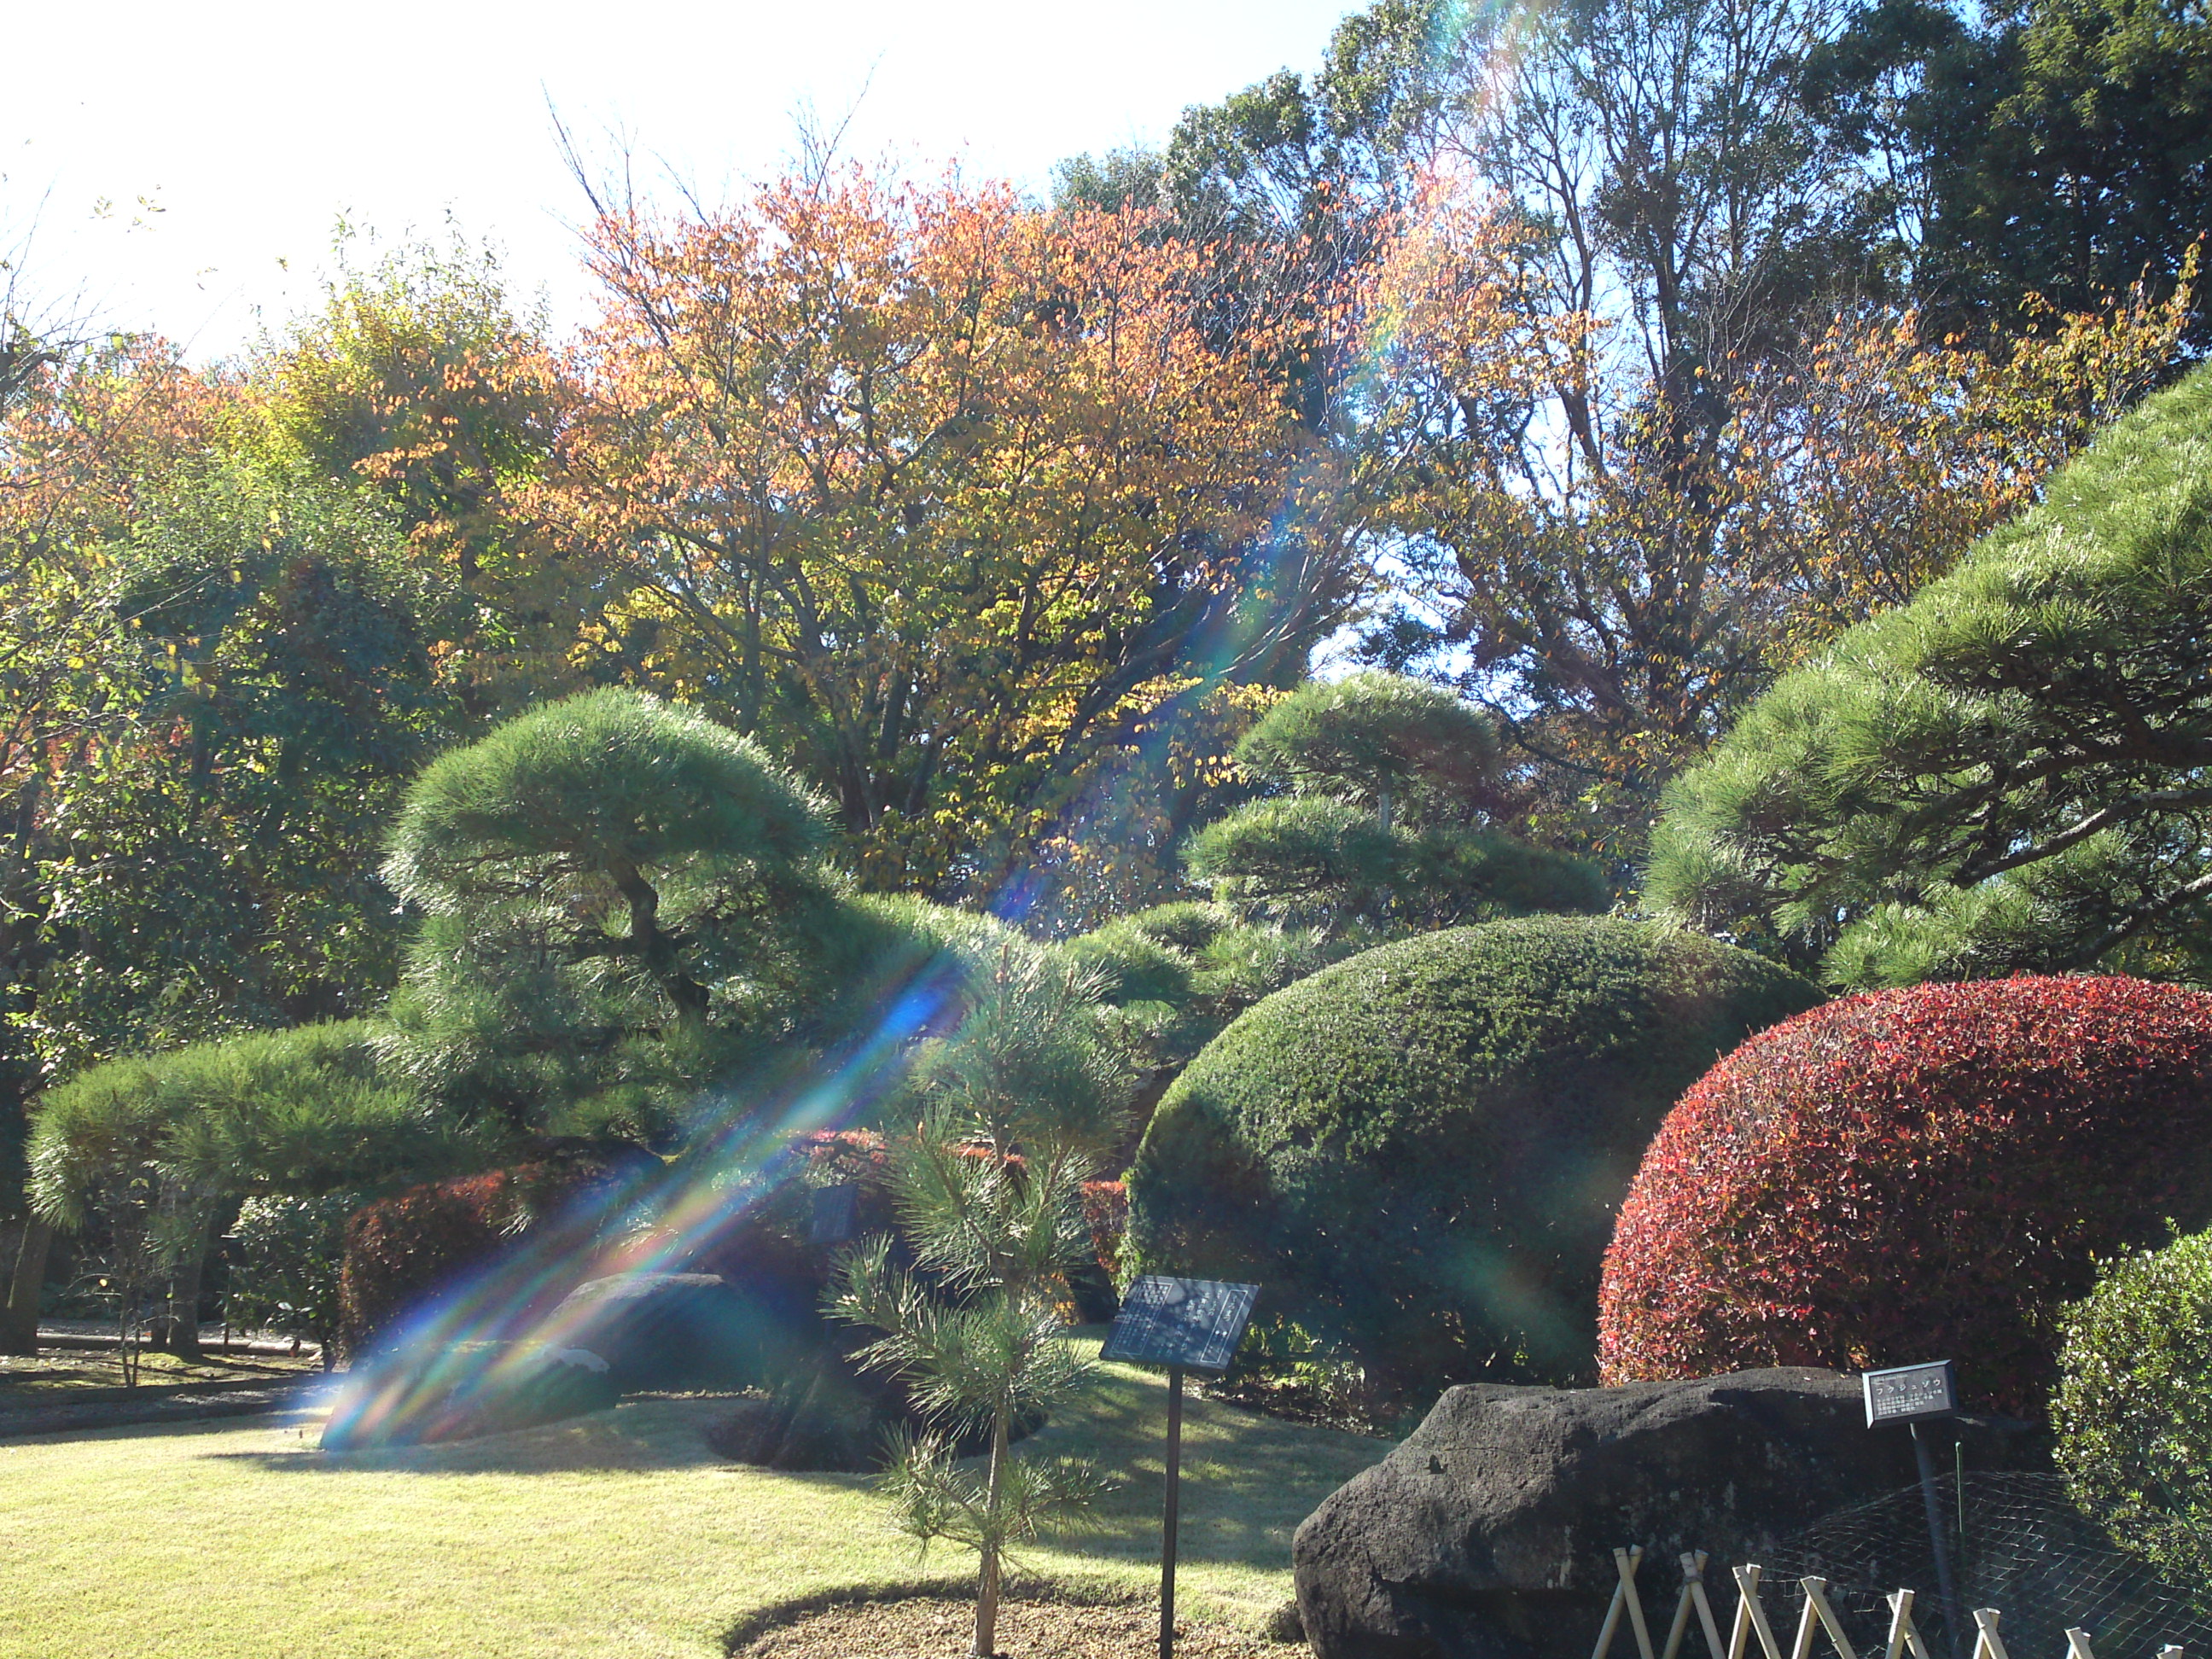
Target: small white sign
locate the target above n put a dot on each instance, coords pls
(1906, 1394)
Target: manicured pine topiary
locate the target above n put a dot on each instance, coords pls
(1914, 1174)
(2004, 774)
(1380, 819)
(1417, 1151)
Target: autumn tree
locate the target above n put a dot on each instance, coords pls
(1619, 609)
(943, 498)
(418, 383)
(1645, 410)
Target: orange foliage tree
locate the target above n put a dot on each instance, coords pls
(82, 452)
(952, 501)
(1627, 561)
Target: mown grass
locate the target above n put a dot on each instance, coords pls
(616, 1535)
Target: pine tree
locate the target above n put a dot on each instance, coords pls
(1013, 1107)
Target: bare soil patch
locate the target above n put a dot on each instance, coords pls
(1030, 1626)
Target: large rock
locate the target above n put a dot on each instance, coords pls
(625, 1334)
(1490, 1532)
(467, 1395)
(670, 1330)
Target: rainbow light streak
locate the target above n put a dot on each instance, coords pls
(484, 1332)
(478, 1339)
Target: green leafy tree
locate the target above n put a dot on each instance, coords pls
(285, 1259)
(988, 1189)
(2005, 775)
(209, 862)
(620, 902)
(154, 1148)
(2135, 1433)
(2058, 147)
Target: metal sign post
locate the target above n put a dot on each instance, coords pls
(1184, 1324)
(1914, 1395)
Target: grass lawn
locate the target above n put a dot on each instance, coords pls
(616, 1535)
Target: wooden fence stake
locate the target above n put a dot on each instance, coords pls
(1816, 1601)
(1904, 1634)
(1751, 1616)
(1694, 1598)
(1624, 1596)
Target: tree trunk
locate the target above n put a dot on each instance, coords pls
(178, 1330)
(19, 1316)
(987, 1587)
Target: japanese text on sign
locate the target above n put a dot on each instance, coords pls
(1192, 1322)
(1906, 1393)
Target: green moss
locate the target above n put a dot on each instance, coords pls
(1419, 1151)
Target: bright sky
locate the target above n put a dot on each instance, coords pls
(254, 126)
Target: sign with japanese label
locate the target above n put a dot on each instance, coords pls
(1192, 1322)
(1905, 1393)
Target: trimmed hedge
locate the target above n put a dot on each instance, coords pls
(1915, 1174)
(1418, 1150)
(415, 1244)
(2134, 1406)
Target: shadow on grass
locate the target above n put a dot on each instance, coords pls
(1248, 1479)
(641, 1434)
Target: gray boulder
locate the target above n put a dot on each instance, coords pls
(670, 1330)
(464, 1398)
(1489, 1532)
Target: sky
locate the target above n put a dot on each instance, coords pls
(182, 167)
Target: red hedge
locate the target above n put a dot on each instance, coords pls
(1912, 1175)
(401, 1247)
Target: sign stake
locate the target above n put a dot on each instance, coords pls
(1936, 1537)
(1168, 1520)
(1184, 1324)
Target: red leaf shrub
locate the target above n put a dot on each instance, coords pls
(1912, 1175)
(1106, 1212)
(401, 1248)
(405, 1247)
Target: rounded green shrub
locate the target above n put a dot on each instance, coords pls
(1419, 1152)
(2134, 1406)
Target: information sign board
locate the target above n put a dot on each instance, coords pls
(1909, 1394)
(831, 1221)
(1192, 1322)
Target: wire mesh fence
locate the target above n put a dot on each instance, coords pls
(2017, 1543)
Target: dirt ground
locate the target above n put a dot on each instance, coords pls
(936, 1627)
(60, 1373)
